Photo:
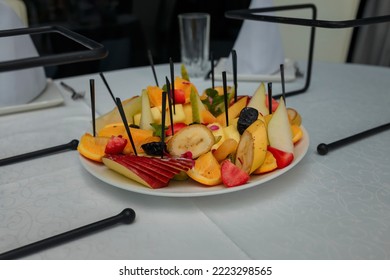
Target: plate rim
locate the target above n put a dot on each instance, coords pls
(133, 186)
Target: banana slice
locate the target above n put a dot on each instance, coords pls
(195, 138)
(252, 148)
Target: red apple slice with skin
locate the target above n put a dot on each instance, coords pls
(151, 172)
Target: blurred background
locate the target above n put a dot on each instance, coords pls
(128, 28)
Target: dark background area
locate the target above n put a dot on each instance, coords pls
(128, 29)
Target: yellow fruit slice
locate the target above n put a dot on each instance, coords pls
(268, 165)
(92, 147)
(294, 117)
(297, 133)
(206, 170)
(229, 146)
(196, 138)
(252, 147)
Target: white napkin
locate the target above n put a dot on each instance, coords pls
(258, 45)
(19, 86)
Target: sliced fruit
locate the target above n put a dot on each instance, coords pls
(294, 117)
(146, 113)
(115, 145)
(184, 73)
(283, 158)
(91, 147)
(268, 165)
(206, 170)
(279, 130)
(176, 128)
(180, 96)
(114, 129)
(197, 107)
(148, 171)
(219, 134)
(297, 133)
(155, 95)
(232, 132)
(258, 100)
(252, 147)
(233, 111)
(186, 86)
(131, 107)
(232, 175)
(196, 138)
(227, 147)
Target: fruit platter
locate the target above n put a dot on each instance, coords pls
(181, 141)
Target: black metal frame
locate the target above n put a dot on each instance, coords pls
(248, 14)
(93, 51)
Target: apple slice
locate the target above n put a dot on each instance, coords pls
(279, 129)
(151, 172)
(258, 100)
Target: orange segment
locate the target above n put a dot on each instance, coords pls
(206, 170)
(186, 86)
(155, 95)
(297, 133)
(268, 165)
(92, 147)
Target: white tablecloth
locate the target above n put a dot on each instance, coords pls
(327, 207)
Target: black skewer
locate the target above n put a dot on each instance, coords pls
(323, 148)
(152, 65)
(127, 216)
(92, 90)
(212, 69)
(163, 113)
(283, 83)
(72, 145)
(234, 57)
(225, 96)
(169, 104)
(270, 98)
(107, 86)
(125, 123)
(172, 83)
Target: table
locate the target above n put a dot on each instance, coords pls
(327, 207)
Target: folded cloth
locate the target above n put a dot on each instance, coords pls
(258, 45)
(19, 86)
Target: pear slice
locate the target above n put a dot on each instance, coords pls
(279, 129)
(131, 106)
(258, 100)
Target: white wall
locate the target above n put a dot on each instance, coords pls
(331, 44)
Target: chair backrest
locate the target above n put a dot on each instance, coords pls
(331, 45)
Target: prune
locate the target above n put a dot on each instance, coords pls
(154, 148)
(247, 116)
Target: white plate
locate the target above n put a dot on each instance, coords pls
(51, 96)
(190, 188)
(289, 73)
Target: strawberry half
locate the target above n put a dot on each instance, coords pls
(115, 145)
(180, 96)
(232, 175)
(283, 159)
